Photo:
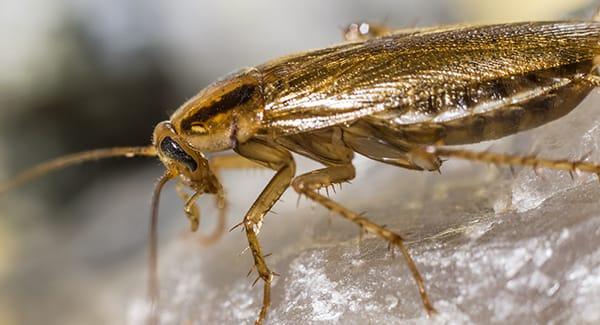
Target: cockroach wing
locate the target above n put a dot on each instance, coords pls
(433, 77)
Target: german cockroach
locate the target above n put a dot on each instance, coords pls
(398, 97)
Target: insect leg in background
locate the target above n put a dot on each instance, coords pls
(363, 31)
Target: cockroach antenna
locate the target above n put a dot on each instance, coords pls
(74, 159)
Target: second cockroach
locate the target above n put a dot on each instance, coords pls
(398, 97)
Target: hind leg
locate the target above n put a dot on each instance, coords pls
(572, 166)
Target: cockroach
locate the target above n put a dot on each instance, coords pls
(399, 97)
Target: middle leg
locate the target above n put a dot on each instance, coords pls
(309, 184)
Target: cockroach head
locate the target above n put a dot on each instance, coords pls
(222, 115)
(181, 159)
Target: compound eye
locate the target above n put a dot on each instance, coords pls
(172, 150)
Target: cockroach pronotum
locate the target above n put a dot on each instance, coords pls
(399, 97)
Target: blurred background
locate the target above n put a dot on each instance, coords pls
(78, 75)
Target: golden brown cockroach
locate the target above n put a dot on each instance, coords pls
(398, 97)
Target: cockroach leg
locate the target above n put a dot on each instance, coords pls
(193, 214)
(232, 161)
(363, 31)
(308, 184)
(515, 160)
(593, 79)
(190, 208)
(280, 160)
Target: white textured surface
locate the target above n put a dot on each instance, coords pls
(492, 248)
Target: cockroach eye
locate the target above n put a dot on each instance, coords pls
(172, 150)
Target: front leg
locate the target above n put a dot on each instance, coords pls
(280, 160)
(193, 214)
(217, 164)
